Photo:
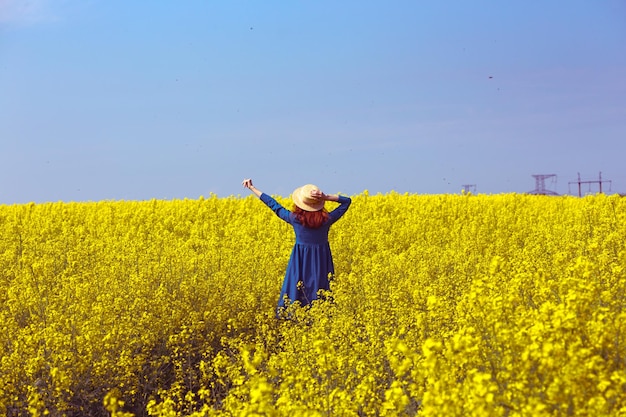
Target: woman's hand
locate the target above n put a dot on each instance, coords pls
(318, 194)
(247, 183)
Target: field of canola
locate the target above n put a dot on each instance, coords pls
(443, 305)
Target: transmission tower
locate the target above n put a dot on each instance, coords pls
(599, 181)
(469, 187)
(540, 184)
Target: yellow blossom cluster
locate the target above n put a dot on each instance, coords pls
(442, 305)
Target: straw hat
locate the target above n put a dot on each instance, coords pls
(302, 198)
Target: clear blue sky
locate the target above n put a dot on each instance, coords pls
(134, 100)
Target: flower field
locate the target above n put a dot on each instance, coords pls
(442, 305)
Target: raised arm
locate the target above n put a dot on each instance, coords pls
(269, 201)
(344, 203)
(247, 183)
(327, 197)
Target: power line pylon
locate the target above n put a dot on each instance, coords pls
(540, 184)
(599, 181)
(467, 188)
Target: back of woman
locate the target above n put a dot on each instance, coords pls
(310, 265)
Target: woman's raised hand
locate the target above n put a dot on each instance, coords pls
(247, 183)
(318, 194)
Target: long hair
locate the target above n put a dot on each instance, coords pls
(311, 219)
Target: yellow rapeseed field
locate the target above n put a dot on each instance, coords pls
(442, 305)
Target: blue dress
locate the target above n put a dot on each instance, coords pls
(311, 261)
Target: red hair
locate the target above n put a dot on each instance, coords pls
(311, 219)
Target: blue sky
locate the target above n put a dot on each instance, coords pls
(127, 100)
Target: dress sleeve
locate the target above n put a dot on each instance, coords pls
(344, 203)
(280, 211)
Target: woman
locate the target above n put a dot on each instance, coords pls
(311, 262)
